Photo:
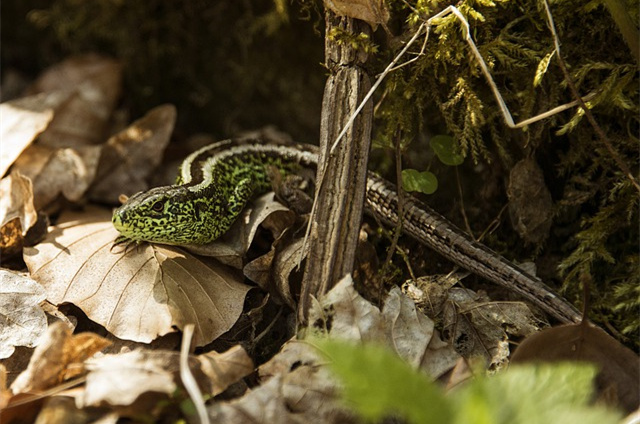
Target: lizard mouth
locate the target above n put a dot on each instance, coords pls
(122, 227)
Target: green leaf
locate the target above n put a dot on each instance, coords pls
(533, 394)
(423, 182)
(377, 384)
(446, 150)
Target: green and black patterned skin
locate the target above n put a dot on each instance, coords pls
(213, 187)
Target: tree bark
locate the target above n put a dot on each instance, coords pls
(341, 184)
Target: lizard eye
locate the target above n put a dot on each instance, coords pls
(158, 206)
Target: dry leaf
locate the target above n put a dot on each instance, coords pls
(224, 369)
(58, 357)
(619, 376)
(95, 83)
(478, 327)
(303, 384)
(371, 11)
(347, 315)
(23, 120)
(232, 247)
(139, 293)
(22, 321)
(16, 201)
(409, 330)
(58, 171)
(399, 326)
(121, 379)
(129, 157)
(273, 270)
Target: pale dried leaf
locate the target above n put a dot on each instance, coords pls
(138, 293)
(16, 201)
(293, 353)
(58, 357)
(301, 397)
(409, 330)
(307, 387)
(224, 369)
(22, 321)
(59, 171)
(264, 404)
(22, 120)
(348, 315)
(121, 379)
(371, 11)
(399, 326)
(96, 84)
(129, 157)
(440, 357)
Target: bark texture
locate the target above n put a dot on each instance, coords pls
(342, 176)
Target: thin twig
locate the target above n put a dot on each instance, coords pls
(462, 210)
(398, 229)
(189, 381)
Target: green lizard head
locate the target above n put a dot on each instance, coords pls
(167, 215)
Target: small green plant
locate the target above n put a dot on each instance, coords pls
(378, 384)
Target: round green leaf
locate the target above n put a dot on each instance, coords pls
(423, 182)
(445, 148)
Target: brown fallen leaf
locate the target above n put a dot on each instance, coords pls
(95, 84)
(618, 381)
(57, 358)
(274, 270)
(138, 293)
(23, 120)
(22, 321)
(224, 369)
(129, 157)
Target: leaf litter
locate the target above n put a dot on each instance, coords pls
(147, 291)
(139, 293)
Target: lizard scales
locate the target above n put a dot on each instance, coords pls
(217, 181)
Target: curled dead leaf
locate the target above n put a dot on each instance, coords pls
(232, 247)
(138, 293)
(23, 120)
(16, 201)
(129, 157)
(58, 357)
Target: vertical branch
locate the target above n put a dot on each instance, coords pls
(340, 192)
